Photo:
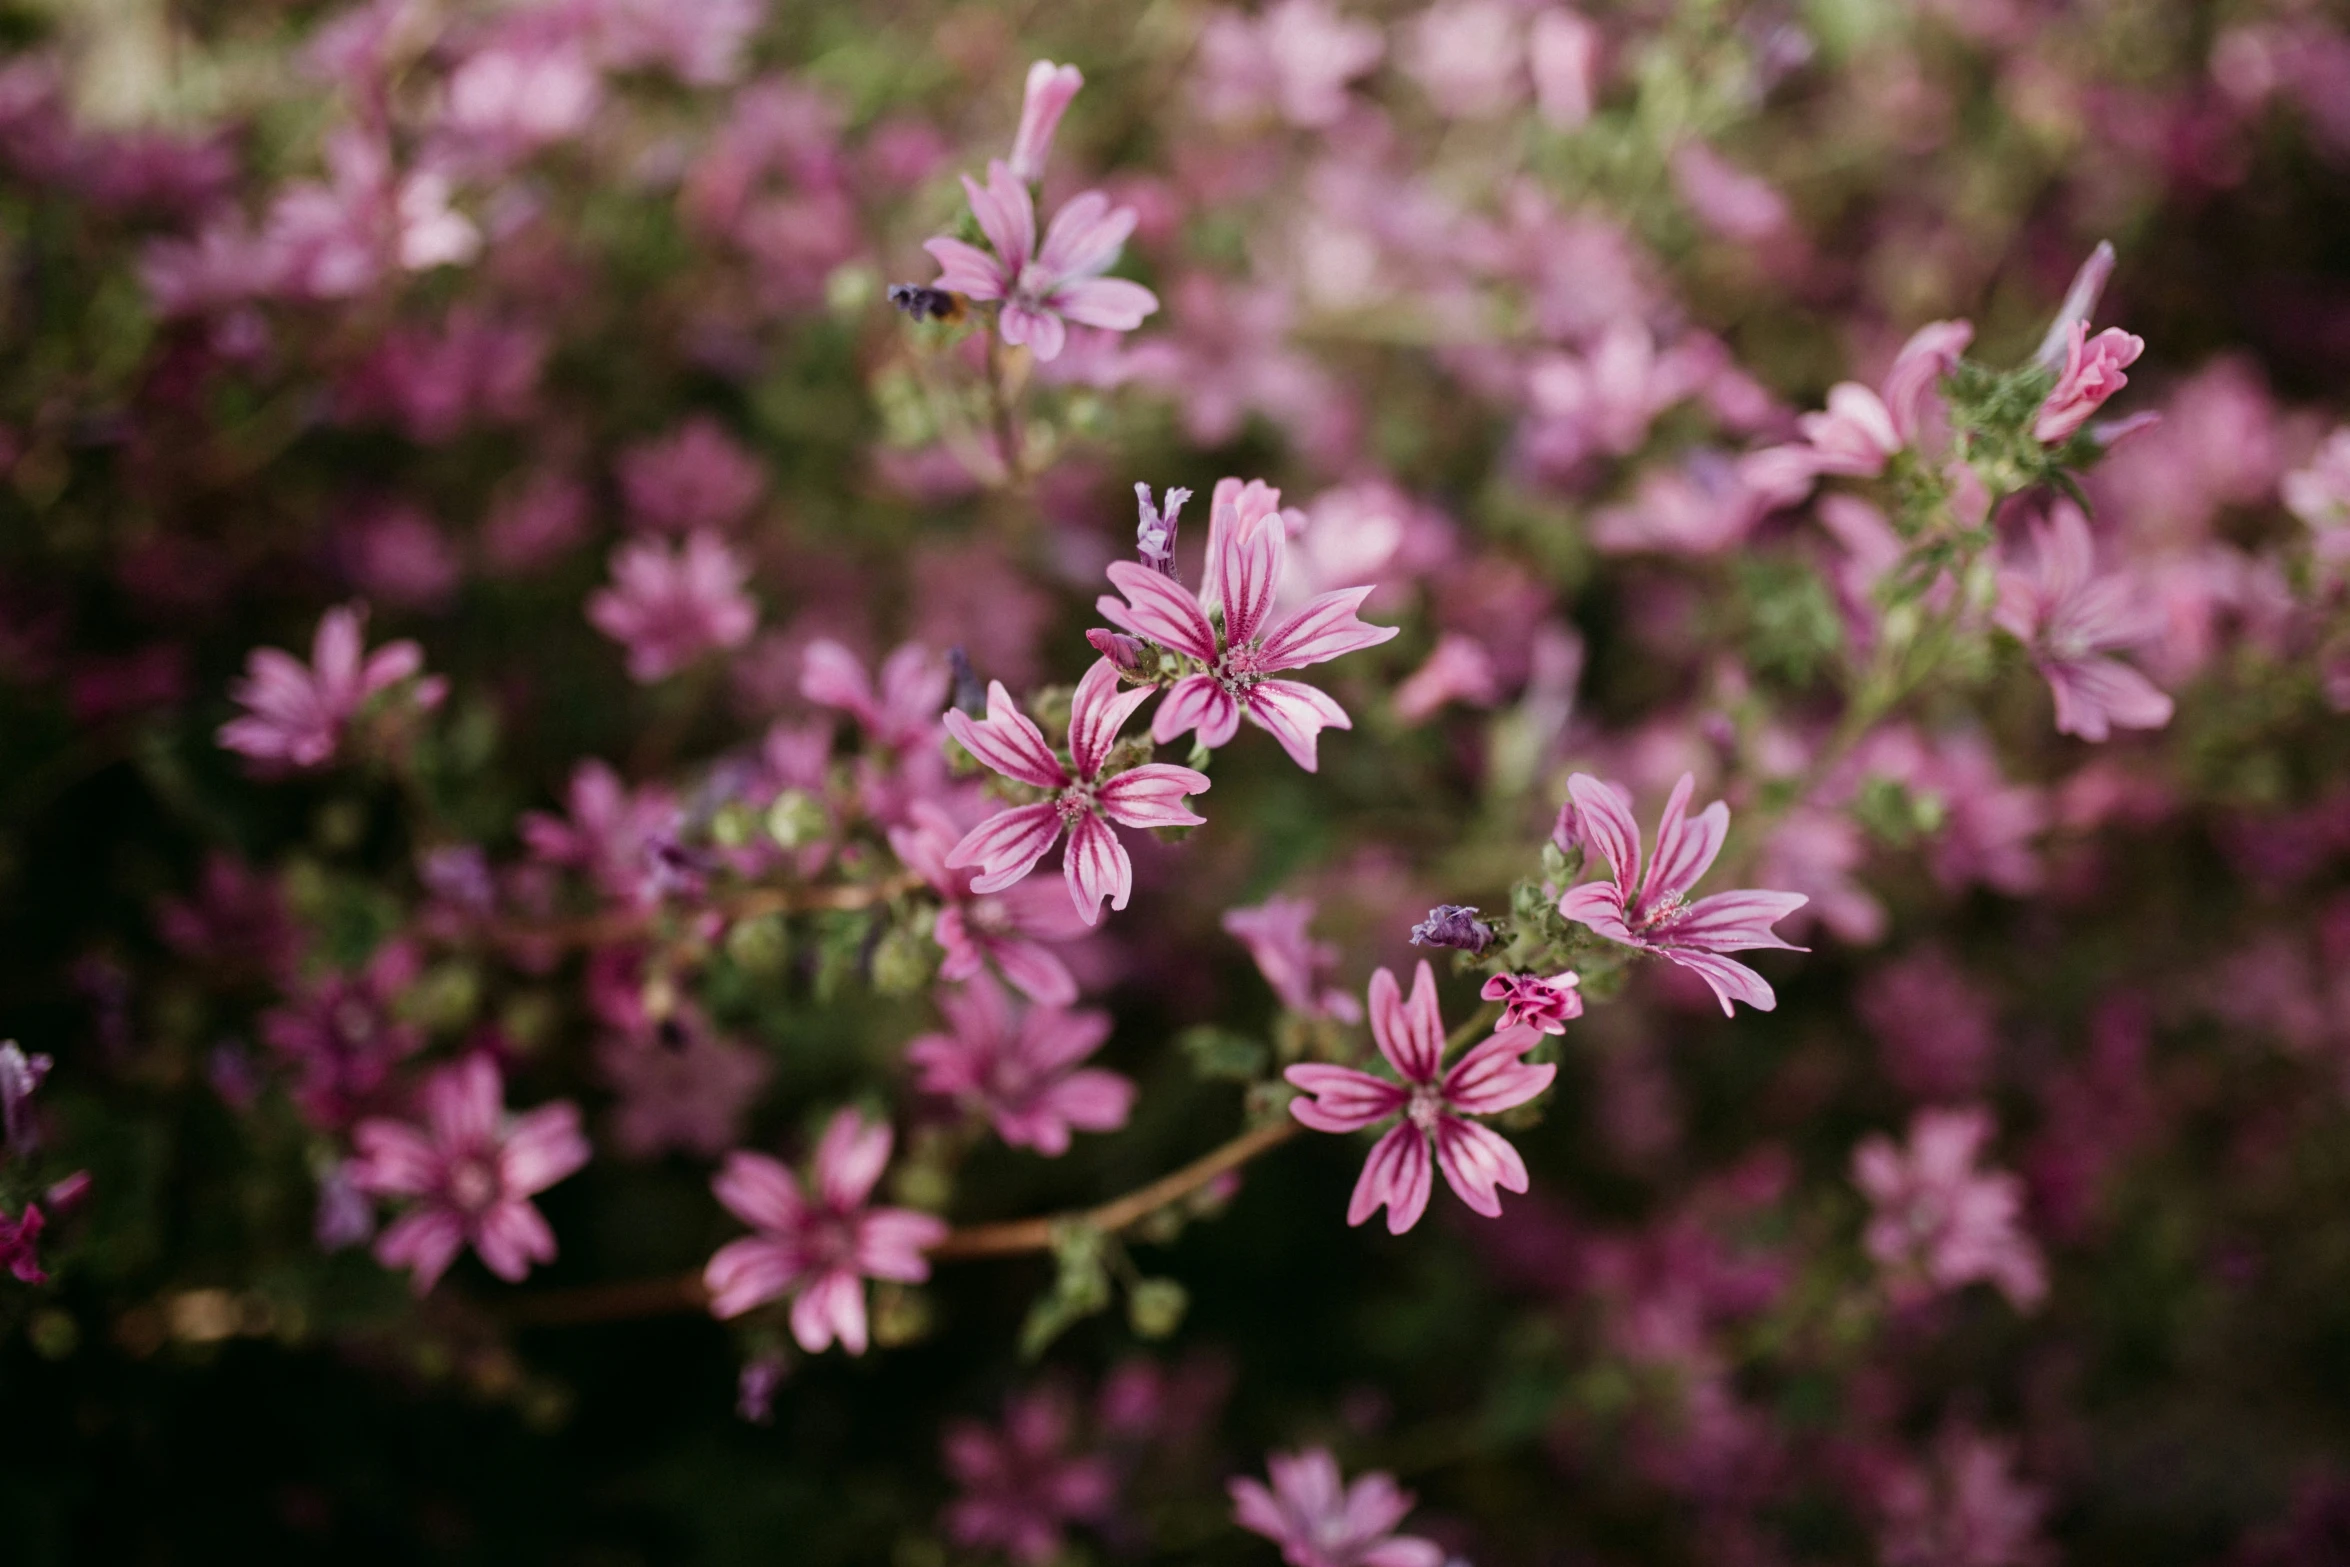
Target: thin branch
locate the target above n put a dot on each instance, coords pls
(660, 1297)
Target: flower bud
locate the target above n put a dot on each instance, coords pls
(1050, 89)
(1453, 925)
(1133, 661)
(1154, 536)
(795, 818)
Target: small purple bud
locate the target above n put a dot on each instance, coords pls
(970, 698)
(345, 1217)
(754, 1394)
(20, 1075)
(1453, 925)
(1154, 537)
(1122, 650)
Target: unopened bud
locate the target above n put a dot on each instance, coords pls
(795, 818)
(1155, 1307)
(1133, 661)
(1154, 536)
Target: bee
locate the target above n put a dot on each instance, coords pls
(925, 303)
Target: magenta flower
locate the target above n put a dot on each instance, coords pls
(1293, 963)
(818, 1247)
(1433, 1103)
(2072, 619)
(1050, 90)
(1862, 429)
(1940, 1223)
(1648, 907)
(670, 608)
(2092, 372)
(1530, 1001)
(297, 715)
(342, 1034)
(1008, 844)
(1227, 627)
(611, 832)
(1019, 1067)
(1964, 1507)
(472, 1171)
(696, 476)
(1044, 289)
(683, 1088)
(1008, 929)
(1319, 1520)
(1023, 1487)
(19, 1245)
(903, 712)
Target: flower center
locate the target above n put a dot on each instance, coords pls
(1239, 668)
(1424, 1109)
(1076, 801)
(472, 1184)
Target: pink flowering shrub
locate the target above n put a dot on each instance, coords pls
(765, 764)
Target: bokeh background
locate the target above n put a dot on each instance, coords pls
(435, 306)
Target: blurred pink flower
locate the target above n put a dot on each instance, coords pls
(336, 239)
(1043, 289)
(1563, 50)
(1295, 60)
(1008, 844)
(396, 553)
(2072, 619)
(2091, 373)
(1469, 56)
(472, 1171)
(696, 476)
(672, 606)
(1649, 908)
(519, 95)
(1018, 1067)
(610, 832)
(820, 1246)
(1319, 1520)
(1477, 1162)
(1531, 1001)
(1815, 851)
(534, 524)
(1047, 97)
(1246, 539)
(1023, 1486)
(1703, 505)
(904, 712)
(686, 1089)
(2320, 496)
(1936, 1032)
(342, 1034)
(19, 1242)
(1293, 963)
(296, 715)
(1009, 929)
(1457, 669)
(1963, 1507)
(1940, 1223)
(1725, 198)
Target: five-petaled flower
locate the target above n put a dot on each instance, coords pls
(669, 609)
(1319, 1520)
(472, 1171)
(1008, 844)
(2073, 620)
(1019, 1068)
(1939, 1222)
(1535, 1002)
(1433, 1104)
(1024, 1485)
(1043, 288)
(296, 714)
(820, 1247)
(1228, 628)
(1649, 908)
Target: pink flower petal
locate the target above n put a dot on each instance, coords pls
(1343, 1099)
(1096, 867)
(1398, 1174)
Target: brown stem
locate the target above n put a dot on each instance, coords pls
(659, 1297)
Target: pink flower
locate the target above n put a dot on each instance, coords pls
(1246, 539)
(1319, 1520)
(1530, 1001)
(1477, 1162)
(818, 1247)
(342, 1034)
(336, 239)
(1458, 669)
(684, 1088)
(904, 712)
(1936, 1032)
(1295, 60)
(1019, 1067)
(1941, 1224)
(1963, 1508)
(1649, 909)
(1293, 963)
(1469, 56)
(1008, 844)
(672, 607)
(2092, 372)
(1050, 89)
(1725, 198)
(2320, 495)
(696, 476)
(610, 833)
(296, 716)
(1562, 51)
(1023, 1487)
(19, 1242)
(1044, 289)
(1863, 429)
(472, 1171)
(1008, 929)
(2072, 619)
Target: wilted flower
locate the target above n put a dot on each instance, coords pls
(819, 1247)
(1044, 288)
(471, 1170)
(1319, 1520)
(296, 714)
(1008, 844)
(1154, 535)
(1019, 1067)
(1648, 907)
(1434, 1104)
